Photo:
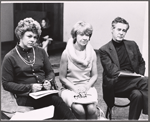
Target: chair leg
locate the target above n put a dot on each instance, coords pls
(109, 113)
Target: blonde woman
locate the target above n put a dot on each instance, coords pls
(78, 71)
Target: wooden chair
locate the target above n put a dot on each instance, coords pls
(109, 110)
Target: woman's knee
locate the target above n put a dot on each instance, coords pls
(91, 109)
(78, 109)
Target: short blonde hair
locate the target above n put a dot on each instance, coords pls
(28, 24)
(81, 27)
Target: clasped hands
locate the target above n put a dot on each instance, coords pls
(81, 90)
(38, 87)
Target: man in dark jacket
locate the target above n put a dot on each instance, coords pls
(123, 56)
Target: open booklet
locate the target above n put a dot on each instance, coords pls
(129, 74)
(39, 94)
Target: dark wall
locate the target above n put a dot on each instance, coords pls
(53, 11)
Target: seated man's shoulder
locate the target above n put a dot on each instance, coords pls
(105, 46)
(130, 41)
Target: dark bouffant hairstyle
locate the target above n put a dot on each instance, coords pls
(28, 24)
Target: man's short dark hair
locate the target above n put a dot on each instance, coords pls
(119, 20)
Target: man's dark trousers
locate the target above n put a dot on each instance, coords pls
(136, 89)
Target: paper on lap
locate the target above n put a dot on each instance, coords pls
(126, 74)
(37, 95)
(38, 114)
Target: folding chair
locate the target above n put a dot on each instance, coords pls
(109, 110)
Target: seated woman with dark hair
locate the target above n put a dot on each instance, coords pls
(46, 35)
(26, 69)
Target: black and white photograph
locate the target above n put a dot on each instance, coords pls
(74, 60)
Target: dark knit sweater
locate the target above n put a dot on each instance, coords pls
(123, 57)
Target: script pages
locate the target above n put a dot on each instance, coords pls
(37, 95)
(128, 74)
(37, 114)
